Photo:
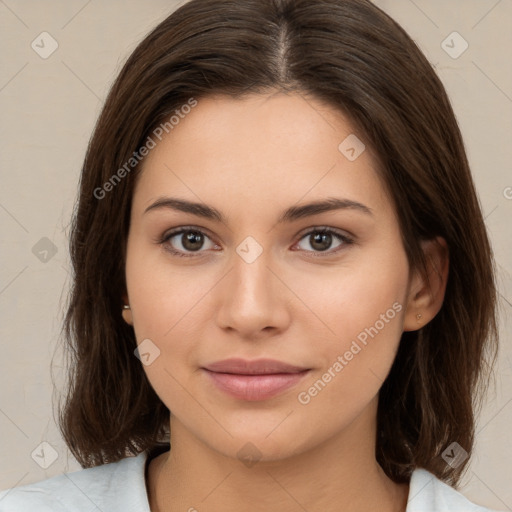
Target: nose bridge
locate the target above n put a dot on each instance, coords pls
(252, 278)
(251, 300)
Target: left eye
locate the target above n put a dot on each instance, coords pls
(321, 240)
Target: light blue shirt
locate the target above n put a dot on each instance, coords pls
(121, 487)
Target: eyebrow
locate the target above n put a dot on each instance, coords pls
(289, 215)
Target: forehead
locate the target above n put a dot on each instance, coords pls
(262, 148)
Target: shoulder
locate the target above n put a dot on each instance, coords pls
(429, 494)
(119, 486)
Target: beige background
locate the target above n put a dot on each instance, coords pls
(49, 107)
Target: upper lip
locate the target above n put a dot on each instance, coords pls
(256, 367)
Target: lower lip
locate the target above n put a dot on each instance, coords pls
(255, 387)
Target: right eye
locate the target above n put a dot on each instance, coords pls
(186, 241)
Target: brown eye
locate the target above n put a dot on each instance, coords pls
(186, 241)
(320, 241)
(324, 240)
(192, 240)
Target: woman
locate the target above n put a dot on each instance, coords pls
(283, 295)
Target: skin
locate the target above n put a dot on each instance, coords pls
(251, 159)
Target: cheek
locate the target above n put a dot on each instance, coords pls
(162, 295)
(168, 307)
(361, 306)
(344, 301)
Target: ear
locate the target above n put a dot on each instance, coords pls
(127, 313)
(426, 293)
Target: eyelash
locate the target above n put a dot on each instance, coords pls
(315, 254)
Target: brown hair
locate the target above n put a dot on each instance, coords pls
(353, 56)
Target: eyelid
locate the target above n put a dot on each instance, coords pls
(181, 229)
(316, 228)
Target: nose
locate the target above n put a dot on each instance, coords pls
(253, 302)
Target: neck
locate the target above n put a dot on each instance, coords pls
(340, 474)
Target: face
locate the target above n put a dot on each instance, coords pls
(252, 272)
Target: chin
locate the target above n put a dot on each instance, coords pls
(261, 444)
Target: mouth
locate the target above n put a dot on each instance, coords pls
(257, 380)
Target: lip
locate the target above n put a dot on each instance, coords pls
(256, 367)
(256, 380)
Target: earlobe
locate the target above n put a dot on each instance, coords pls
(427, 293)
(126, 313)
